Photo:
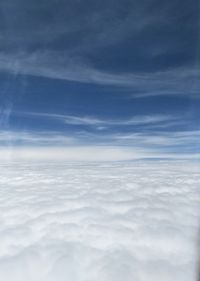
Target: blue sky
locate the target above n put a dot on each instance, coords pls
(101, 75)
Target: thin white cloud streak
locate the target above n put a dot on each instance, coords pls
(138, 120)
(181, 81)
(162, 138)
(5, 113)
(93, 121)
(53, 138)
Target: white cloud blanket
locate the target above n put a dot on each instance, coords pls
(99, 222)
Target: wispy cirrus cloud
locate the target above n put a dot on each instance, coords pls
(183, 81)
(20, 138)
(94, 121)
(188, 140)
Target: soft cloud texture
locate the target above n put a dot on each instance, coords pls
(93, 222)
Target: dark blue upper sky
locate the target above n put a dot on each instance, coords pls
(121, 72)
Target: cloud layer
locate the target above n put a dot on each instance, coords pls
(93, 222)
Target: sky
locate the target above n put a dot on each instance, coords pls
(100, 79)
(104, 81)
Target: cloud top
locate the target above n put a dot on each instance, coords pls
(99, 221)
